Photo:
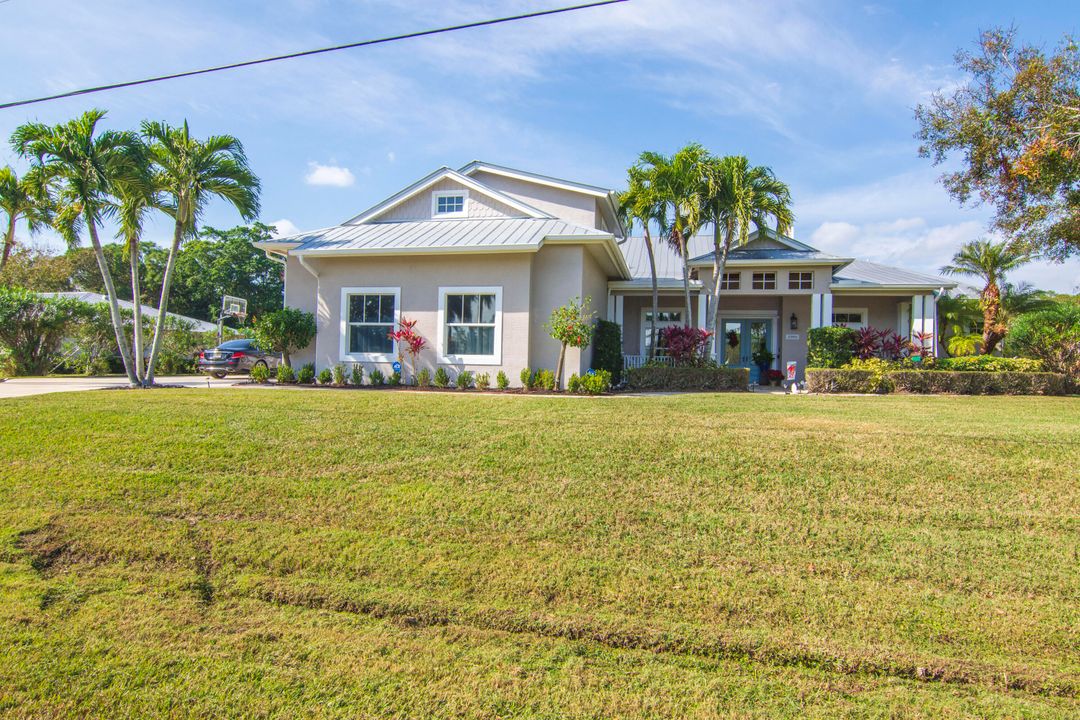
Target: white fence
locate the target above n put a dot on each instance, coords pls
(636, 361)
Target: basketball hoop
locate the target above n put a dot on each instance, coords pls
(230, 307)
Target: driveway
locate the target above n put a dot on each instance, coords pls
(20, 387)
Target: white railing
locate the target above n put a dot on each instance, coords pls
(636, 361)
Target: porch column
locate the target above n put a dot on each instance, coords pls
(702, 310)
(618, 317)
(610, 307)
(821, 305)
(924, 318)
(826, 309)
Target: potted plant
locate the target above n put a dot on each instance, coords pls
(763, 359)
(774, 377)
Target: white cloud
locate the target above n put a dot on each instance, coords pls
(284, 228)
(391, 157)
(329, 175)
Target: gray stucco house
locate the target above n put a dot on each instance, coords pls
(480, 256)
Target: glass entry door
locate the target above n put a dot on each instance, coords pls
(741, 340)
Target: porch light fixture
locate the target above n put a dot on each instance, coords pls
(794, 322)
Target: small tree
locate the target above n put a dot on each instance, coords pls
(284, 330)
(572, 326)
(31, 327)
(408, 341)
(1051, 335)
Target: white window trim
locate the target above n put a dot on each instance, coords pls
(449, 193)
(343, 347)
(775, 280)
(440, 346)
(865, 316)
(738, 280)
(792, 273)
(660, 324)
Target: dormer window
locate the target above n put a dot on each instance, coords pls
(449, 203)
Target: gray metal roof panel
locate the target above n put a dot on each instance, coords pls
(862, 273)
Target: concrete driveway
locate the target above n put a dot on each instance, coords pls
(21, 387)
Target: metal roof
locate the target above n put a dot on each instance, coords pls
(861, 273)
(419, 235)
(815, 257)
(668, 262)
(94, 298)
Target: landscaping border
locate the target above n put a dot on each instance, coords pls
(952, 382)
(724, 379)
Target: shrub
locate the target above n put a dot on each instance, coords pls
(595, 382)
(527, 378)
(284, 330)
(260, 374)
(464, 379)
(607, 349)
(394, 380)
(1051, 335)
(572, 326)
(544, 380)
(376, 377)
(339, 375)
(306, 376)
(423, 377)
(685, 345)
(573, 384)
(501, 381)
(979, 382)
(31, 328)
(442, 379)
(325, 376)
(285, 374)
(830, 347)
(483, 381)
(835, 380)
(877, 380)
(659, 377)
(989, 363)
(357, 378)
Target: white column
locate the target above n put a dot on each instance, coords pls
(619, 311)
(610, 307)
(826, 309)
(916, 315)
(702, 310)
(815, 311)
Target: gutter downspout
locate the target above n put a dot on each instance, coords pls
(304, 263)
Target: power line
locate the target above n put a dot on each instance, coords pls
(305, 53)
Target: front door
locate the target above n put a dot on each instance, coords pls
(742, 339)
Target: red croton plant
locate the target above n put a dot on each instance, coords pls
(685, 345)
(408, 340)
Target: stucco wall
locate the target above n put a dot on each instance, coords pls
(822, 279)
(300, 294)
(633, 305)
(882, 310)
(557, 275)
(574, 207)
(418, 207)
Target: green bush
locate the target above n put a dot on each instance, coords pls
(376, 378)
(835, 380)
(501, 381)
(284, 330)
(442, 379)
(607, 349)
(830, 347)
(979, 382)
(483, 381)
(357, 374)
(989, 363)
(260, 374)
(660, 377)
(544, 379)
(285, 374)
(573, 385)
(1051, 335)
(877, 380)
(527, 378)
(464, 379)
(32, 327)
(395, 379)
(339, 375)
(325, 376)
(596, 382)
(306, 376)
(423, 378)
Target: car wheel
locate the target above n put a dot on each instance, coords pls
(219, 375)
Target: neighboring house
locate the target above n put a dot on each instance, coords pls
(149, 313)
(482, 255)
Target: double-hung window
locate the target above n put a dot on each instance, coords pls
(730, 281)
(764, 281)
(369, 315)
(449, 203)
(471, 325)
(800, 281)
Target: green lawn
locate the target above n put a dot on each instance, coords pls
(349, 554)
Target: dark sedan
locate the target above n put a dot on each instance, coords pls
(235, 356)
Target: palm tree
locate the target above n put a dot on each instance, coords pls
(677, 181)
(133, 204)
(641, 204)
(189, 173)
(989, 261)
(736, 195)
(84, 168)
(960, 318)
(22, 199)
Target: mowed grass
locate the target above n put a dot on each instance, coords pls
(351, 554)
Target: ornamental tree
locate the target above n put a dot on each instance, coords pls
(408, 341)
(284, 330)
(572, 326)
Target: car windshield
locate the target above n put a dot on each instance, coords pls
(236, 345)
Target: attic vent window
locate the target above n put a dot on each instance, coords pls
(448, 204)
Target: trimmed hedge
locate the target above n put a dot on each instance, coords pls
(830, 346)
(934, 381)
(990, 363)
(607, 349)
(688, 378)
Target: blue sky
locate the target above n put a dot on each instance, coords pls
(823, 92)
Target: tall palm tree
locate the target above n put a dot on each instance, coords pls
(132, 205)
(989, 261)
(84, 168)
(735, 196)
(677, 181)
(641, 204)
(189, 173)
(24, 199)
